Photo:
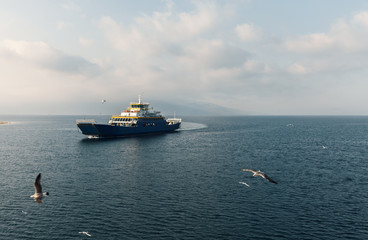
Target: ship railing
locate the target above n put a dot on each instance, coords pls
(85, 121)
(171, 121)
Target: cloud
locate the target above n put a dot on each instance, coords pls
(175, 50)
(205, 52)
(248, 32)
(339, 51)
(297, 69)
(167, 53)
(61, 25)
(343, 37)
(71, 6)
(311, 43)
(213, 54)
(361, 18)
(45, 57)
(86, 42)
(162, 32)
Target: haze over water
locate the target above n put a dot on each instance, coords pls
(185, 185)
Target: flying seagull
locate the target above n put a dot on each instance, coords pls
(86, 233)
(244, 183)
(260, 173)
(38, 190)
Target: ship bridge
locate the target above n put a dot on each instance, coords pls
(139, 106)
(140, 110)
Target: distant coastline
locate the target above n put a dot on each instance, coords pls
(4, 122)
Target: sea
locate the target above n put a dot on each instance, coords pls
(188, 184)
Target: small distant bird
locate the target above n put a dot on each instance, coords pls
(103, 101)
(324, 147)
(244, 183)
(260, 173)
(37, 196)
(86, 233)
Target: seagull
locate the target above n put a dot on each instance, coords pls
(86, 233)
(38, 190)
(244, 183)
(324, 147)
(260, 173)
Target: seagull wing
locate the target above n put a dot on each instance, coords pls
(85, 233)
(268, 178)
(37, 184)
(249, 170)
(244, 183)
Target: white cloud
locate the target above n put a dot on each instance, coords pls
(343, 37)
(162, 32)
(339, 51)
(361, 18)
(311, 43)
(248, 32)
(297, 69)
(205, 52)
(86, 42)
(175, 50)
(70, 6)
(45, 57)
(61, 25)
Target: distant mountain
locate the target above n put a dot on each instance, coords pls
(167, 108)
(194, 109)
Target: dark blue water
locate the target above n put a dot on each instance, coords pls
(185, 185)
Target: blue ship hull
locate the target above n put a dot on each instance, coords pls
(137, 119)
(107, 130)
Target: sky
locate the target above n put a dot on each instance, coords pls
(257, 57)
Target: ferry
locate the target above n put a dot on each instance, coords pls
(137, 119)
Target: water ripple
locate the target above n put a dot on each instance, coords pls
(186, 185)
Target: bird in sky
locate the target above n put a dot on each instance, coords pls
(37, 196)
(260, 173)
